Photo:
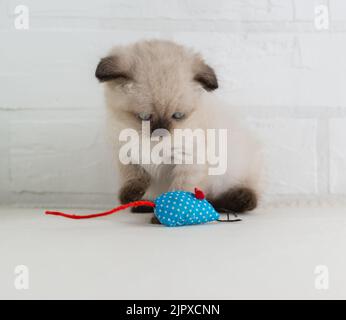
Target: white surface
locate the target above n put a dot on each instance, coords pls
(270, 59)
(272, 253)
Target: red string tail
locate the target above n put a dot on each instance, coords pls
(101, 214)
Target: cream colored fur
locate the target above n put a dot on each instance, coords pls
(162, 84)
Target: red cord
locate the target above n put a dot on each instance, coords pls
(101, 214)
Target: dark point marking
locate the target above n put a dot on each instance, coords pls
(154, 220)
(160, 123)
(109, 69)
(142, 209)
(239, 200)
(207, 78)
(133, 190)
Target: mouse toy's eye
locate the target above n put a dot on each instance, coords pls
(144, 116)
(178, 115)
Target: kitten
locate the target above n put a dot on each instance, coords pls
(171, 87)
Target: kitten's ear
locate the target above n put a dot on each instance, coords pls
(205, 75)
(109, 68)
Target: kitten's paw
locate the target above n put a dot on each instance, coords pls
(238, 199)
(154, 220)
(132, 191)
(142, 209)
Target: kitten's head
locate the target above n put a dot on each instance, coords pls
(156, 81)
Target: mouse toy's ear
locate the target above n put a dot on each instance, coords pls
(205, 75)
(199, 194)
(111, 68)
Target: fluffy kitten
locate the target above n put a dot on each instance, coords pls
(156, 81)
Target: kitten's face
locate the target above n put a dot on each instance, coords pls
(155, 81)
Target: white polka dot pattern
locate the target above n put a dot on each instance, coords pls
(180, 208)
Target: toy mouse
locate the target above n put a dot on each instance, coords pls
(172, 209)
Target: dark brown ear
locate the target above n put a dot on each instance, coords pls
(206, 76)
(109, 68)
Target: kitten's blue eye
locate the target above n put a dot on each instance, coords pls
(178, 115)
(144, 116)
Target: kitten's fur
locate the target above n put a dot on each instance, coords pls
(161, 78)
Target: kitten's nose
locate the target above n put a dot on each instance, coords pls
(160, 127)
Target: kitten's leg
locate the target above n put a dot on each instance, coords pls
(187, 177)
(137, 181)
(142, 209)
(237, 199)
(154, 220)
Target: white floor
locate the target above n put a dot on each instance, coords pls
(272, 253)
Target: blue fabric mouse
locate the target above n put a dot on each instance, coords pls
(180, 208)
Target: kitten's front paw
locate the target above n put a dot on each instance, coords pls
(238, 199)
(154, 220)
(142, 209)
(132, 191)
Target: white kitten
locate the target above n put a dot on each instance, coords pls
(171, 87)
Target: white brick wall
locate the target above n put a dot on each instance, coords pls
(289, 78)
(337, 130)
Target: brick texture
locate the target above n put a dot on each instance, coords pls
(287, 76)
